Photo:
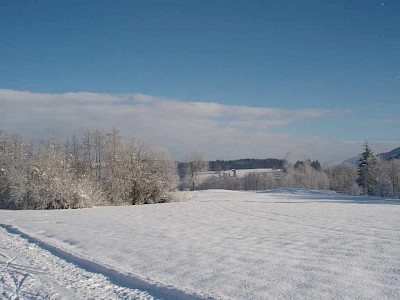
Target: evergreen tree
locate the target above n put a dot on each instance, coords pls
(366, 171)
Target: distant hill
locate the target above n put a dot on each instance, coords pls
(394, 154)
(352, 161)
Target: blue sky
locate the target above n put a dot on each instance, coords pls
(340, 58)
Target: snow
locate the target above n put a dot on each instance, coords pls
(280, 244)
(29, 272)
(239, 173)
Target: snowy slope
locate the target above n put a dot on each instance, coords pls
(241, 245)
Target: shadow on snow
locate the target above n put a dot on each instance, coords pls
(116, 277)
(315, 196)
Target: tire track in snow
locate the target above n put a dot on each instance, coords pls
(300, 224)
(29, 272)
(308, 218)
(313, 219)
(376, 229)
(124, 284)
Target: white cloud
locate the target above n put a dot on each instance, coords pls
(220, 131)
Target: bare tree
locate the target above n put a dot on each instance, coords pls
(138, 173)
(342, 178)
(99, 169)
(393, 171)
(194, 164)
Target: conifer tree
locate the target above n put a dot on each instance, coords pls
(366, 171)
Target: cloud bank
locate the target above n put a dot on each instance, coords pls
(220, 131)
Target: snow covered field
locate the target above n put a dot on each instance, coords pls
(283, 244)
(239, 173)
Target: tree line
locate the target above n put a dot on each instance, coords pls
(101, 168)
(268, 163)
(305, 174)
(96, 168)
(374, 175)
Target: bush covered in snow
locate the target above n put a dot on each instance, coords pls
(97, 169)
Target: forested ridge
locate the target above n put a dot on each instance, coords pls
(249, 163)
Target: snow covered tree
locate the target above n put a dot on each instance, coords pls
(4, 165)
(366, 171)
(304, 174)
(258, 181)
(194, 164)
(137, 173)
(288, 170)
(388, 177)
(342, 178)
(99, 169)
(393, 171)
(14, 159)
